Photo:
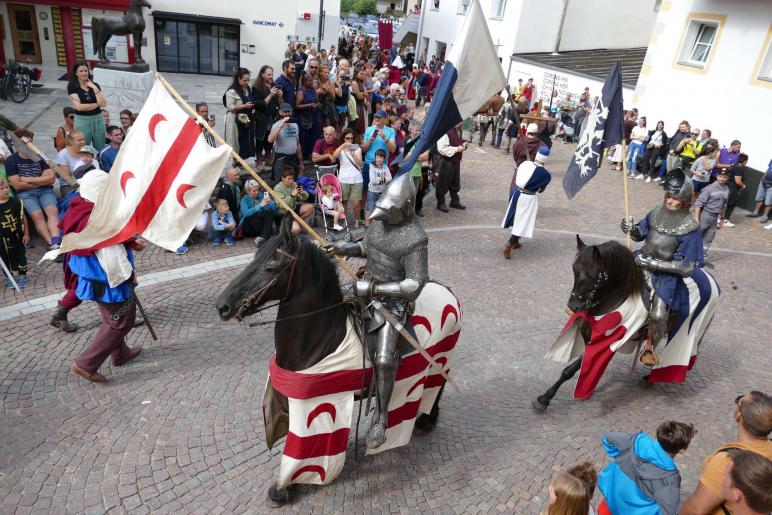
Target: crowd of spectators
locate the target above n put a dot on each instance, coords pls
(348, 107)
(642, 477)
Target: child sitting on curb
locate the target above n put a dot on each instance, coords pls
(223, 223)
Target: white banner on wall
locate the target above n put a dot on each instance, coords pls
(564, 81)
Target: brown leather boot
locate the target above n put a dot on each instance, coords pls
(94, 377)
(648, 358)
(508, 250)
(59, 320)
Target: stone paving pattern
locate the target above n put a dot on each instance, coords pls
(180, 429)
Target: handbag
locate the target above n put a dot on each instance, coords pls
(243, 118)
(345, 154)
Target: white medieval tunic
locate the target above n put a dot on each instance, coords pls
(530, 179)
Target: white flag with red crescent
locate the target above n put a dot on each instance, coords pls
(160, 183)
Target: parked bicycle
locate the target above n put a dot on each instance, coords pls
(16, 80)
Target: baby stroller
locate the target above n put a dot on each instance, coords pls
(327, 176)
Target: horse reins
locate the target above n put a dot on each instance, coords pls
(589, 299)
(255, 297)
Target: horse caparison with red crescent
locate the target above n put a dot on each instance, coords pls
(311, 402)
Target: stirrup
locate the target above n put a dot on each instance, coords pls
(647, 358)
(376, 435)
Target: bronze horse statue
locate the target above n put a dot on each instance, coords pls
(103, 28)
(311, 320)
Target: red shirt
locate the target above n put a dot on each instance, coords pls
(321, 147)
(528, 92)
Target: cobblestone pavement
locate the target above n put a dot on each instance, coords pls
(180, 429)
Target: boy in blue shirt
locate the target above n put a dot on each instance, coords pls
(223, 223)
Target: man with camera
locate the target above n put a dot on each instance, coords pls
(202, 109)
(285, 136)
(287, 82)
(377, 136)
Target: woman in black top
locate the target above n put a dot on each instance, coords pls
(87, 99)
(239, 121)
(267, 97)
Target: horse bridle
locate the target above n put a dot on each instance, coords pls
(254, 297)
(589, 299)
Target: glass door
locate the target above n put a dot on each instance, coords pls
(229, 48)
(208, 48)
(166, 45)
(187, 48)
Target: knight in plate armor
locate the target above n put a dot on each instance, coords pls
(672, 250)
(396, 248)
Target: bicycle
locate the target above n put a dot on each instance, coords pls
(17, 81)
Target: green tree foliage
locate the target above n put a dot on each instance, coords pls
(364, 6)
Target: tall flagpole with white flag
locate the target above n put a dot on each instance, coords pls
(471, 75)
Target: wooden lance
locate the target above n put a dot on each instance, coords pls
(405, 334)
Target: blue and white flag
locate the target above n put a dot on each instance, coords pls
(471, 75)
(604, 128)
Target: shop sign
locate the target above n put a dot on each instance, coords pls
(268, 23)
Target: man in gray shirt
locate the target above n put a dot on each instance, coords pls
(710, 207)
(286, 142)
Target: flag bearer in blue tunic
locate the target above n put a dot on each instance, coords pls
(530, 179)
(116, 301)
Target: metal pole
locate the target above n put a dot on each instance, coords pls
(419, 37)
(627, 194)
(560, 28)
(321, 25)
(552, 93)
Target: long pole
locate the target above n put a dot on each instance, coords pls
(419, 36)
(556, 51)
(10, 276)
(321, 24)
(627, 194)
(517, 125)
(402, 331)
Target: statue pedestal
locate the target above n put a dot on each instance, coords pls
(124, 89)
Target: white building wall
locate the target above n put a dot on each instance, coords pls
(532, 26)
(443, 25)
(270, 40)
(589, 24)
(725, 98)
(47, 47)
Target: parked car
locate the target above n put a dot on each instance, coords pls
(371, 28)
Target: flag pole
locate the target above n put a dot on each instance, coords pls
(405, 334)
(517, 123)
(627, 194)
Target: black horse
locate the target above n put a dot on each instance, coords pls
(311, 319)
(605, 276)
(103, 28)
